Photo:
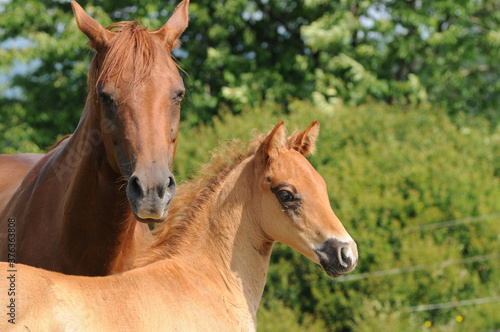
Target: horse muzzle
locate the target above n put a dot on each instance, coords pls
(150, 196)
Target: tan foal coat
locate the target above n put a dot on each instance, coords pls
(207, 268)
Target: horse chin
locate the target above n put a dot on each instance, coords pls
(149, 214)
(149, 220)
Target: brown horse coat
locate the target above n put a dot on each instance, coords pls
(77, 209)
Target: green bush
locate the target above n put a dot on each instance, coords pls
(276, 317)
(390, 171)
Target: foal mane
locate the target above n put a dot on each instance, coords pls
(183, 225)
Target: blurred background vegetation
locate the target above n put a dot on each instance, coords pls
(407, 94)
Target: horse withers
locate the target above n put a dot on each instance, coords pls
(207, 267)
(76, 211)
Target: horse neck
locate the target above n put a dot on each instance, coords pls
(234, 250)
(96, 214)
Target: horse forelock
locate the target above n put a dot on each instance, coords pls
(185, 221)
(132, 47)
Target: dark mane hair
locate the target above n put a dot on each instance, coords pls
(193, 197)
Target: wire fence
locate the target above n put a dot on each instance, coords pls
(446, 305)
(414, 268)
(451, 223)
(494, 217)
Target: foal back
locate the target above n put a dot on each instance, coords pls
(144, 299)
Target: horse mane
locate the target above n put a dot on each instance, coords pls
(58, 142)
(131, 43)
(194, 196)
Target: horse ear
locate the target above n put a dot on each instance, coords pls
(273, 142)
(175, 25)
(96, 33)
(305, 141)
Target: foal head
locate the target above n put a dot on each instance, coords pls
(295, 205)
(135, 94)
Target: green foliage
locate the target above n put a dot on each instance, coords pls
(53, 94)
(388, 170)
(276, 317)
(408, 52)
(240, 53)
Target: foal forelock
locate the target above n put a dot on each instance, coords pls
(185, 220)
(133, 47)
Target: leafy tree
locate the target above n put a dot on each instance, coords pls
(388, 167)
(408, 52)
(239, 52)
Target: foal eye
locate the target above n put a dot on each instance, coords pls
(285, 196)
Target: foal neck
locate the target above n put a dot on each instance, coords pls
(237, 252)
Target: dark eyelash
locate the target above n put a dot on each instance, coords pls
(179, 96)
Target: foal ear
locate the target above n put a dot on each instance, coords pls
(273, 142)
(175, 25)
(96, 33)
(305, 141)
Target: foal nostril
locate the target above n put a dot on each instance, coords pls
(135, 188)
(344, 258)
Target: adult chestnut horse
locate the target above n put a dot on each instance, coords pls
(207, 267)
(13, 169)
(71, 211)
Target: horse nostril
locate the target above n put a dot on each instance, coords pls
(169, 185)
(135, 188)
(171, 181)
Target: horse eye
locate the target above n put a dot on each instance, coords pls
(105, 98)
(179, 96)
(285, 196)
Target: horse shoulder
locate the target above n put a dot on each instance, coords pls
(25, 203)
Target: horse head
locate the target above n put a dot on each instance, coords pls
(135, 94)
